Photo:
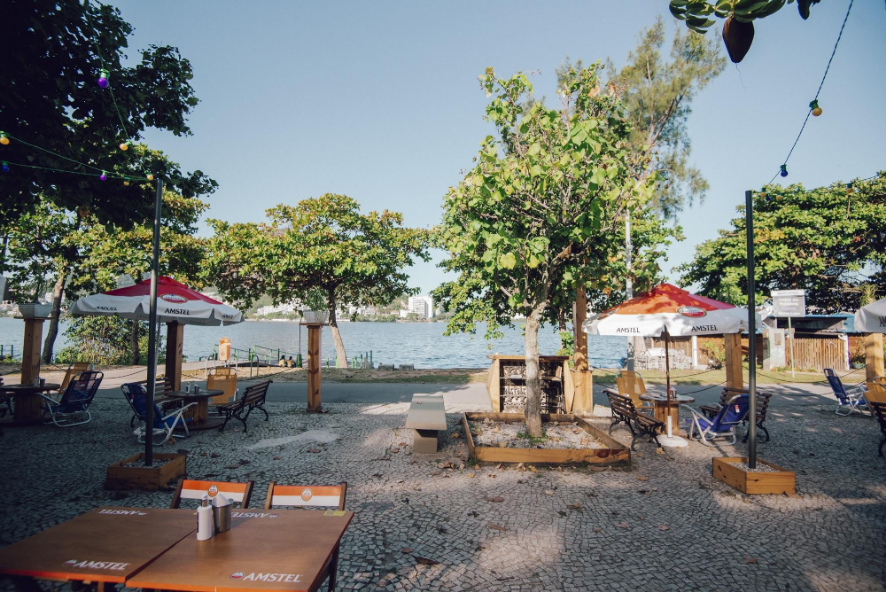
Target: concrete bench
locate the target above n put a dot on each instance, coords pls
(427, 416)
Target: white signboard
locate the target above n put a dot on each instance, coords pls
(789, 303)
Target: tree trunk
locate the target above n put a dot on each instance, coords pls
(533, 380)
(52, 332)
(136, 354)
(341, 358)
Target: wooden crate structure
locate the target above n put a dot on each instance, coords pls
(613, 451)
(778, 481)
(506, 384)
(121, 476)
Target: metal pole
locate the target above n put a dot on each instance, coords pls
(152, 330)
(752, 335)
(629, 285)
(791, 332)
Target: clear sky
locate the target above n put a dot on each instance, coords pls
(380, 100)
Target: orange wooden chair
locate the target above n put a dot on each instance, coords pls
(189, 489)
(330, 496)
(304, 495)
(73, 370)
(223, 379)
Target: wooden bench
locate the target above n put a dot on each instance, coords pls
(763, 398)
(253, 398)
(427, 417)
(624, 411)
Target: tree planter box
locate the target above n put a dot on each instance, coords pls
(121, 476)
(777, 481)
(613, 451)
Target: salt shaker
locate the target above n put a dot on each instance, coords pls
(205, 523)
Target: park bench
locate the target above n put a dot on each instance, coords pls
(763, 398)
(426, 418)
(253, 398)
(624, 411)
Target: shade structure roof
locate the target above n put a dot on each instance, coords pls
(175, 302)
(667, 307)
(871, 318)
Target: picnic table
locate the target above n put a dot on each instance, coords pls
(279, 550)
(661, 410)
(27, 405)
(199, 413)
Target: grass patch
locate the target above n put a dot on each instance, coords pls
(532, 440)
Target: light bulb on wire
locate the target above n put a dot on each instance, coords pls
(150, 177)
(4, 139)
(816, 110)
(784, 170)
(124, 146)
(126, 181)
(103, 76)
(103, 176)
(4, 166)
(849, 188)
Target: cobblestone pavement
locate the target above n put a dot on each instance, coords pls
(663, 523)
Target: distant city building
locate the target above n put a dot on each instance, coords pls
(423, 306)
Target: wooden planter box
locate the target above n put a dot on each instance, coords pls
(120, 476)
(754, 482)
(614, 451)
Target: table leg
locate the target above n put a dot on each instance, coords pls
(25, 584)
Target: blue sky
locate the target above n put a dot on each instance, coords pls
(380, 100)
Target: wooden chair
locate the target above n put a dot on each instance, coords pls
(630, 384)
(190, 489)
(223, 379)
(329, 496)
(303, 495)
(876, 392)
(73, 370)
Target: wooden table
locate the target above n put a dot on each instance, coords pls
(281, 550)
(105, 545)
(661, 409)
(27, 406)
(199, 413)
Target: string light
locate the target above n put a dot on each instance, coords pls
(150, 177)
(784, 170)
(816, 110)
(4, 166)
(103, 176)
(124, 146)
(103, 78)
(126, 181)
(4, 139)
(849, 188)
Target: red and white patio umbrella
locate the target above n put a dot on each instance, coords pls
(871, 318)
(668, 310)
(175, 302)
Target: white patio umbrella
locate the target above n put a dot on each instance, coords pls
(668, 310)
(871, 318)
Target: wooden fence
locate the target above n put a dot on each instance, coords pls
(815, 353)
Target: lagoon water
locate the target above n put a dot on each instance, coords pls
(421, 344)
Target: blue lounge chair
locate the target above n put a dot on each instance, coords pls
(848, 400)
(164, 425)
(722, 425)
(73, 408)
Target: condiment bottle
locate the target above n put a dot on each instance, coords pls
(205, 522)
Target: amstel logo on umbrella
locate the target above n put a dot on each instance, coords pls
(692, 312)
(173, 298)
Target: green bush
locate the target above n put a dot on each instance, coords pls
(106, 341)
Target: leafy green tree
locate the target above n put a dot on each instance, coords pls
(105, 340)
(324, 244)
(52, 52)
(657, 94)
(829, 241)
(538, 212)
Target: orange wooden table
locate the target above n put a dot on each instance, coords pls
(105, 545)
(280, 550)
(199, 413)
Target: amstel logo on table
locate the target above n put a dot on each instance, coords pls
(110, 565)
(266, 577)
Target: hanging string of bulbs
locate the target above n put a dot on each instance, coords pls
(815, 109)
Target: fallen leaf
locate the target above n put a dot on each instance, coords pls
(496, 527)
(277, 458)
(425, 560)
(232, 467)
(664, 527)
(406, 550)
(471, 475)
(182, 451)
(497, 499)
(203, 454)
(455, 435)
(395, 450)
(243, 461)
(400, 481)
(401, 444)
(621, 524)
(642, 478)
(750, 560)
(377, 475)
(442, 529)
(214, 455)
(548, 492)
(561, 512)
(574, 506)
(314, 450)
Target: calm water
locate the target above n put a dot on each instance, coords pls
(422, 344)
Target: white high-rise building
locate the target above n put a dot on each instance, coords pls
(423, 306)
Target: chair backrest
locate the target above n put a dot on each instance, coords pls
(223, 379)
(80, 391)
(620, 404)
(332, 496)
(879, 411)
(731, 414)
(195, 490)
(137, 396)
(876, 392)
(836, 385)
(73, 370)
(256, 392)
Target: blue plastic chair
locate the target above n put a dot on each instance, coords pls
(75, 401)
(722, 425)
(851, 399)
(164, 425)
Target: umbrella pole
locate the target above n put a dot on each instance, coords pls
(152, 330)
(752, 335)
(668, 379)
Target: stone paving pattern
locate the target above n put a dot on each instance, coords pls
(663, 523)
